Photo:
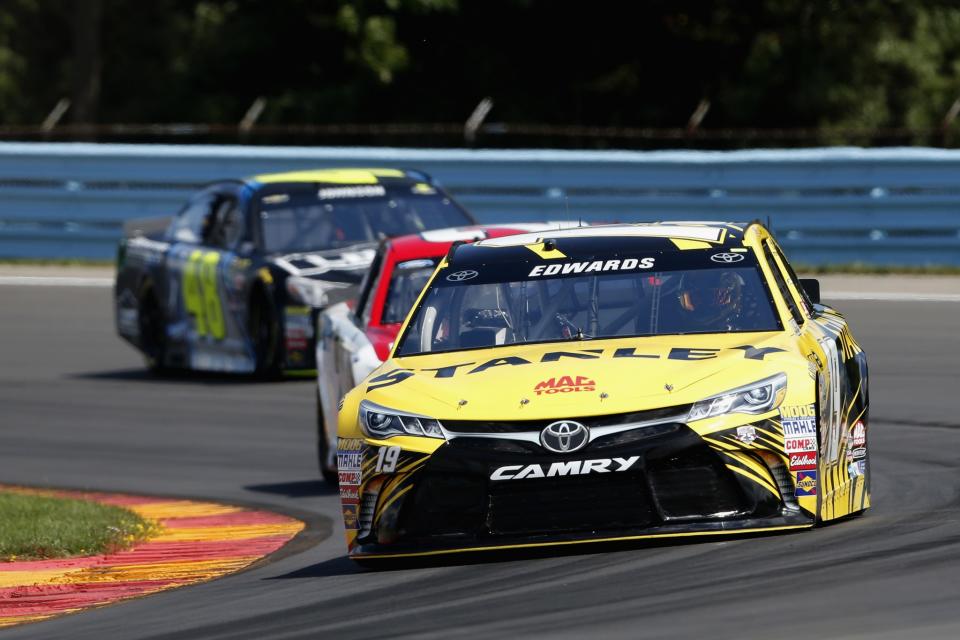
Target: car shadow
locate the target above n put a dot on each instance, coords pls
(181, 376)
(343, 565)
(296, 489)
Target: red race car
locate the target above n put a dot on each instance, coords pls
(354, 338)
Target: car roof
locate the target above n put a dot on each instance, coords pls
(343, 176)
(651, 236)
(436, 242)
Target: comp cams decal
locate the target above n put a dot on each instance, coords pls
(628, 264)
(566, 468)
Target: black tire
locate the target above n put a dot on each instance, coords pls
(265, 333)
(329, 474)
(153, 330)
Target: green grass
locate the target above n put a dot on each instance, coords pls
(36, 527)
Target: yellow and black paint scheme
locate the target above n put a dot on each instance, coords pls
(800, 463)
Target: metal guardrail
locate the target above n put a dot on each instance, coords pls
(838, 205)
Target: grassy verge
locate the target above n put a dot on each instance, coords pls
(36, 527)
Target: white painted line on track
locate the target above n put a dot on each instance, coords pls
(891, 296)
(55, 281)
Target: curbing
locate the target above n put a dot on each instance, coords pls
(199, 541)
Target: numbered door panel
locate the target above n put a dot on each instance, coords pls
(207, 287)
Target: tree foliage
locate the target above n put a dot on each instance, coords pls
(826, 64)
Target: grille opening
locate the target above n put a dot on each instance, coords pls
(783, 478)
(584, 503)
(694, 485)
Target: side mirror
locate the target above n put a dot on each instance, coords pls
(812, 287)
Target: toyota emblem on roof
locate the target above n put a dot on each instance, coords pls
(727, 258)
(564, 436)
(460, 276)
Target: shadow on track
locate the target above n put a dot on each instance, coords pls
(343, 565)
(184, 375)
(296, 489)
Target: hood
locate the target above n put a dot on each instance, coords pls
(346, 266)
(581, 378)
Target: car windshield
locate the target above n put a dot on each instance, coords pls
(295, 223)
(406, 283)
(500, 304)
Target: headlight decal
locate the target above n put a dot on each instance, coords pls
(756, 398)
(382, 422)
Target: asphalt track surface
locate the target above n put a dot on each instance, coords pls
(77, 410)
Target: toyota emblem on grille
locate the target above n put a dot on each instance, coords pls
(727, 258)
(564, 436)
(460, 276)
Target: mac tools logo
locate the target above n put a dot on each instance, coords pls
(564, 436)
(565, 384)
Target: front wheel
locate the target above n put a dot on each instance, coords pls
(327, 470)
(265, 333)
(152, 330)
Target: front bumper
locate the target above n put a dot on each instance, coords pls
(675, 484)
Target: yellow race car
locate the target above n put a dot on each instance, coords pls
(606, 383)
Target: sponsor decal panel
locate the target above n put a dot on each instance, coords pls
(746, 434)
(564, 468)
(859, 453)
(565, 384)
(806, 484)
(297, 332)
(628, 264)
(859, 434)
(804, 461)
(799, 445)
(350, 521)
(372, 191)
(799, 424)
(349, 463)
(349, 477)
(396, 376)
(856, 469)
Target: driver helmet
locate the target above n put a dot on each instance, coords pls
(711, 297)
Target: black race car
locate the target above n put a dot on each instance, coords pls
(234, 281)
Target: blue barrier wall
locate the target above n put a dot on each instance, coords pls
(887, 206)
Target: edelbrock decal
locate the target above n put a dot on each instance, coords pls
(567, 468)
